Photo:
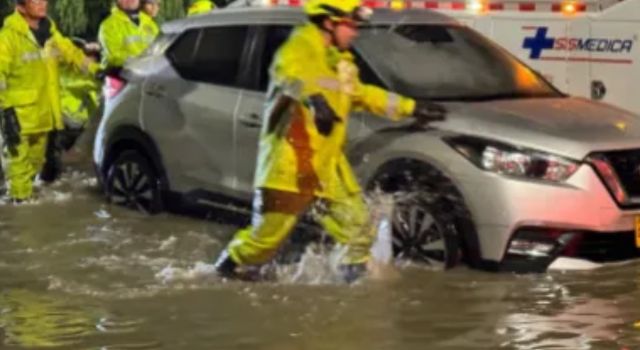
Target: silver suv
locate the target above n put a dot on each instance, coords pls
(516, 177)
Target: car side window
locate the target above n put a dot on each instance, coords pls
(181, 53)
(210, 55)
(276, 35)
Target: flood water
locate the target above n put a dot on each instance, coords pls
(76, 273)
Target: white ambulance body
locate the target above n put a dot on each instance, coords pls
(591, 53)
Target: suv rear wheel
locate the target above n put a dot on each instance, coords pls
(132, 182)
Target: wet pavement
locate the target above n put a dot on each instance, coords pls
(76, 273)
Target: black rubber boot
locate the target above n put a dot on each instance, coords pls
(53, 160)
(352, 273)
(225, 266)
(16, 201)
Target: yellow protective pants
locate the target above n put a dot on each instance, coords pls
(275, 213)
(22, 167)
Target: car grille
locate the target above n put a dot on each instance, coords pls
(627, 167)
(603, 247)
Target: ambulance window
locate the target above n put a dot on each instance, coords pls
(198, 56)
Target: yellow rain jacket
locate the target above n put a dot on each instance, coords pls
(29, 76)
(122, 39)
(294, 156)
(79, 97)
(199, 7)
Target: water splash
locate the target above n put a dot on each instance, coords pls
(102, 214)
(198, 273)
(169, 243)
(63, 190)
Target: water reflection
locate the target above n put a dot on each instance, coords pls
(580, 326)
(110, 279)
(32, 320)
(575, 311)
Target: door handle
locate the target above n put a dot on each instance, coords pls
(251, 121)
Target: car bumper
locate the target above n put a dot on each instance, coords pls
(578, 218)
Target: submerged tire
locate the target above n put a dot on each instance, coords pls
(431, 223)
(132, 182)
(422, 233)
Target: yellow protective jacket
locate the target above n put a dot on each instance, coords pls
(293, 155)
(29, 74)
(121, 39)
(79, 97)
(199, 7)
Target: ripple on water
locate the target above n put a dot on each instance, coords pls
(35, 320)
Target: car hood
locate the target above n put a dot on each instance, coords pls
(571, 127)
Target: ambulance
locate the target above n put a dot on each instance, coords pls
(587, 49)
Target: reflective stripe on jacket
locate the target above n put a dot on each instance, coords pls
(79, 97)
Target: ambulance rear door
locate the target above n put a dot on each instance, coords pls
(614, 73)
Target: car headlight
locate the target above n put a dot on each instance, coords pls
(513, 161)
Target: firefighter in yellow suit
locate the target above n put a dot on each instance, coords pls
(126, 33)
(79, 99)
(199, 7)
(31, 49)
(314, 87)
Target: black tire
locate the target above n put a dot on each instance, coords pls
(422, 233)
(447, 236)
(132, 182)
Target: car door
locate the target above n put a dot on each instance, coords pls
(189, 107)
(268, 38)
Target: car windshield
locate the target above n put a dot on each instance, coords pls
(447, 62)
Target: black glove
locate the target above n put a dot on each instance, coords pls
(10, 127)
(325, 117)
(427, 112)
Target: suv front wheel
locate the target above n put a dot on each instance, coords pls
(430, 221)
(132, 182)
(422, 232)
